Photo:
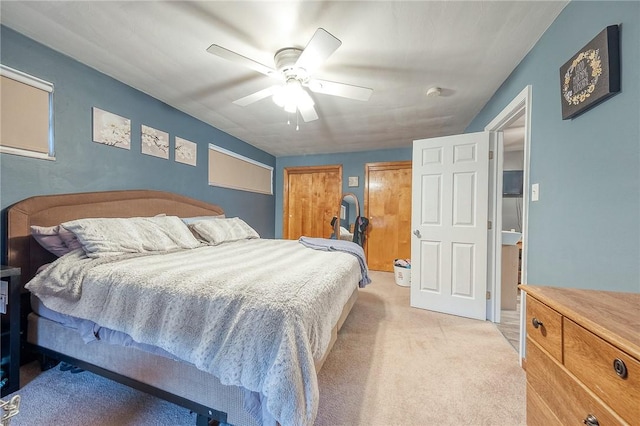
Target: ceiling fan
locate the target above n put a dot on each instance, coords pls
(294, 68)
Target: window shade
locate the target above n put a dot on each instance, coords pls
(231, 170)
(25, 112)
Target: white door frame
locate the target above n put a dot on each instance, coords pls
(522, 102)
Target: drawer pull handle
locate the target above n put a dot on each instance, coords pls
(591, 420)
(536, 323)
(620, 368)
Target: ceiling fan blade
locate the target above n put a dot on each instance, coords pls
(340, 89)
(308, 112)
(255, 97)
(214, 49)
(319, 48)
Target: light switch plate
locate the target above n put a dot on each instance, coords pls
(535, 192)
(353, 180)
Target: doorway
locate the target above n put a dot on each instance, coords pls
(513, 126)
(512, 195)
(428, 214)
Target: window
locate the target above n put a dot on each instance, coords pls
(230, 170)
(26, 115)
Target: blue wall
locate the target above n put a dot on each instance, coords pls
(584, 232)
(352, 165)
(82, 165)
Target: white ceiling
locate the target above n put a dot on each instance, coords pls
(398, 48)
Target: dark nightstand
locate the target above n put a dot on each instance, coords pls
(10, 356)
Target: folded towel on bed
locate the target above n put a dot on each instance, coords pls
(343, 246)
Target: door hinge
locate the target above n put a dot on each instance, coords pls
(488, 295)
(490, 155)
(489, 225)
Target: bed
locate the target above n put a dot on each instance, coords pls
(171, 377)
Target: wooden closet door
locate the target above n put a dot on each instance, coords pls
(387, 204)
(311, 199)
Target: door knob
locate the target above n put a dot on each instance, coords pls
(417, 233)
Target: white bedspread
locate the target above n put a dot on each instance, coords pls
(254, 313)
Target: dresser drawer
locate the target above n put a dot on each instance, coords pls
(544, 326)
(591, 359)
(538, 413)
(564, 396)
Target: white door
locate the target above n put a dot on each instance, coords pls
(450, 184)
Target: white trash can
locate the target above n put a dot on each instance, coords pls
(403, 276)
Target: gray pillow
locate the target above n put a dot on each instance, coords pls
(49, 238)
(218, 231)
(114, 236)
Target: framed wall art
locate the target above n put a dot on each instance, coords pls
(592, 74)
(154, 142)
(186, 151)
(111, 129)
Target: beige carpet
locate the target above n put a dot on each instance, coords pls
(391, 365)
(397, 365)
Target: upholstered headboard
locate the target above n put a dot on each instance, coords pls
(50, 210)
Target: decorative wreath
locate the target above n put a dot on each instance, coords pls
(594, 62)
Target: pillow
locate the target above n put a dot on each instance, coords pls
(218, 231)
(190, 220)
(102, 237)
(69, 238)
(49, 238)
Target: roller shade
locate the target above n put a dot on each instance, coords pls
(230, 170)
(25, 112)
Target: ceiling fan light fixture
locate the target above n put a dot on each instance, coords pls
(291, 96)
(279, 96)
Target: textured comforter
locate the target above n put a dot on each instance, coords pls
(255, 313)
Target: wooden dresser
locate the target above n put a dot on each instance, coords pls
(583, 357)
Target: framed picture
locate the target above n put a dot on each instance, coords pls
(186, 151)
(154, 142)
(111, 129)
(592, 74)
